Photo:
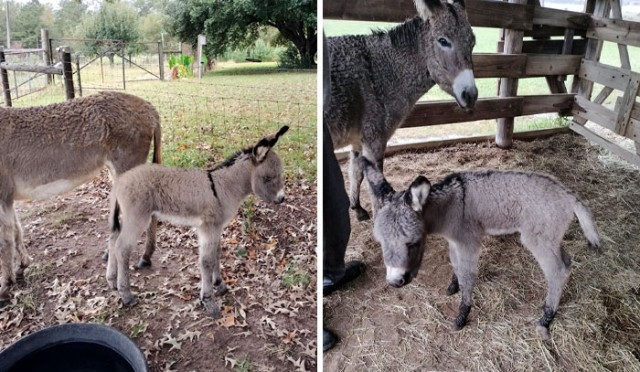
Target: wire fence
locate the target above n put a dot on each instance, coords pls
(204, 122)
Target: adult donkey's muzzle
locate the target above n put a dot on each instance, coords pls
(464, 89)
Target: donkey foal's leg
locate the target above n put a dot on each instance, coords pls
(145, 260)
(555, 264)
(454, 286)
(128, 238)
(466, 270)
(209, 247)
(356, 175)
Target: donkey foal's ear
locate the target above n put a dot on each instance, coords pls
(261, 150)
(418, 193)
(426, 8)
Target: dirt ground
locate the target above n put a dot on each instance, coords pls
(268, 261)
(597, 327)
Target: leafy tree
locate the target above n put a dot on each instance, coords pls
(27, 24)
(237, 23)
(117, 20)
(67, 17)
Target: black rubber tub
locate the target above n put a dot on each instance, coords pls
(74, 348)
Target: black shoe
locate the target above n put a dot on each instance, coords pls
(329, 339)
(353, 269)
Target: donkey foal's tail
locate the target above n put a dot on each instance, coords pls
(115, 217)
(587, 224)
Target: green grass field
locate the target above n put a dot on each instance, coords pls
(204, 121)
(486, 42)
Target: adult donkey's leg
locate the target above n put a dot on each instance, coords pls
(356, 175)
(23, 256)
(374, 152)
(7, 241)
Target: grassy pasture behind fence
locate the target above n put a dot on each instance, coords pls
(205, 121)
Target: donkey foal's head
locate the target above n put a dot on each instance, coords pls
(266, 179)
(449, 42)
(398, 225)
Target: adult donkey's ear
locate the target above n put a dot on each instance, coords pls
(418, 193)
(426, 8)
(380, 188)
(261, 150)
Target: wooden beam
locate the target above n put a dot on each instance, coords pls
(627, 103)
(560, 18)
(612, 147)
(448, 112)
(610, 76)
(430, 144)
(586, 110)
(482, 13)
(544, 32)
(550, 46)
(499, 65)
(615, 30)
(541, 65)
(31, 68)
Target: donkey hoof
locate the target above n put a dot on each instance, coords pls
(4, 303)
(130, 301)
(142, 264)
(221, 291)
(211, 308)
(105, 256)
(361, 214)
(460, 323)
(452, 289)
(543, 332)
(112, 283)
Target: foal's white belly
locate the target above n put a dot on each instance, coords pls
(193, 221)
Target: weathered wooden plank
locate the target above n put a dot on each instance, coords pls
(544, 32)
(482, 13)
(499, 65)
(615, 30)
(610, 76)
(633, 129)
(541, 65)
(614, 148)
(627, 104)
(550, 46)
(446, 112)
(31, 68)
(560, 18)
(587, 110)
(541, 104)
(343, 154)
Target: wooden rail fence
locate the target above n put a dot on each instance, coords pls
(526, 51)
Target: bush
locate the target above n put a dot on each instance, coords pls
(291, 58)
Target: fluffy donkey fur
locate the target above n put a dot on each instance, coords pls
(206, 200)
(464, 207)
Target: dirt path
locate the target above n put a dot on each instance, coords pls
(268, 262)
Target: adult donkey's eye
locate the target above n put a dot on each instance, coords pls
(444, 42)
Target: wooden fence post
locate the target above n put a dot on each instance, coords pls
(67, 71)
(79, 74)
(46, 55)
(5, 81)
(509, 86)
(161, 60)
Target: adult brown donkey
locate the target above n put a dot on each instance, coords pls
(377, 79)
(49, 150)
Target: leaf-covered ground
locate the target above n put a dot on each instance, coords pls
(268, 261)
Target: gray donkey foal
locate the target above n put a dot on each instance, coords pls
(206, 200)
(464, 207)
(377, 79)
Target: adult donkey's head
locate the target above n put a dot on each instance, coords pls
(449, 42)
